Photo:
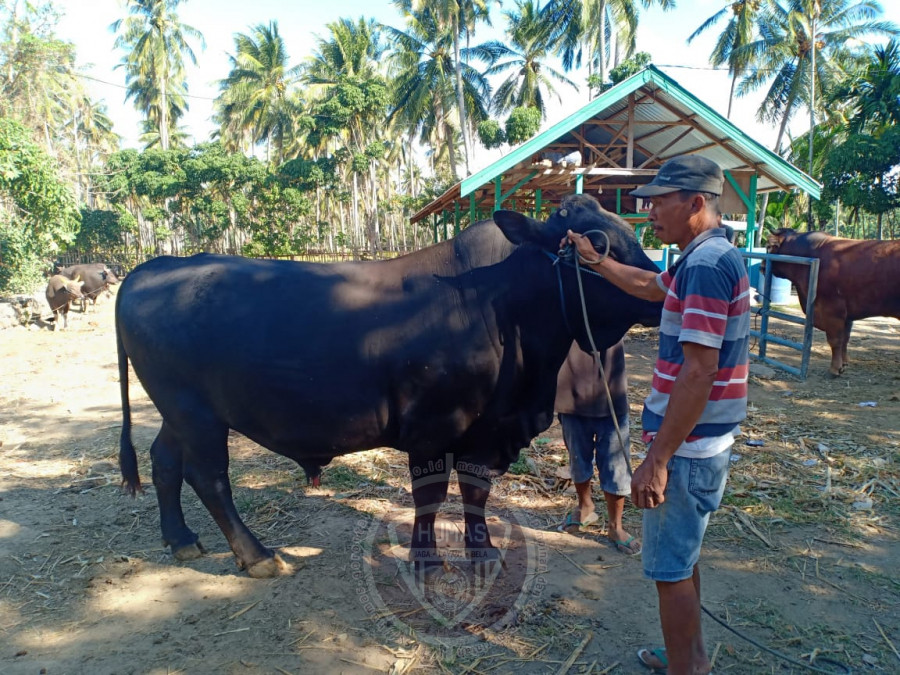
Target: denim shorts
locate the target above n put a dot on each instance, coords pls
(673, 531)
(594, 439)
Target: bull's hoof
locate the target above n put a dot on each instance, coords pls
(189, 552)
(487, 562)
(269, 567)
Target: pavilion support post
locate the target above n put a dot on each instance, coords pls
(538, 204)
(629, 152)
(498, 193)
(579, 184)
(456, 216)
(445, 217)
(473, 212)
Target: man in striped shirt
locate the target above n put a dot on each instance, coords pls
(698, 396)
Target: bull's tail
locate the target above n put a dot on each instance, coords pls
(131, 480)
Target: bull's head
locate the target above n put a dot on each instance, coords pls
(73, 288)
(777, 237)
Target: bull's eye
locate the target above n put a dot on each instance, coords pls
(563, 213)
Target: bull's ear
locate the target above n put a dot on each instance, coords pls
(518, 228)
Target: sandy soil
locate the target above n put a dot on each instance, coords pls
(802, 558)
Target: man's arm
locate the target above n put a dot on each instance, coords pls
(688, 398)
(633, 280)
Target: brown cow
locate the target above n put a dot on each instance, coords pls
(857, 279)
(60, 293)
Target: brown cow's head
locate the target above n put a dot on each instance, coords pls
(777, 237)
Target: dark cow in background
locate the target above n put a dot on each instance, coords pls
(60, 293)
(97, 277)
(857, 279)
(449, 354)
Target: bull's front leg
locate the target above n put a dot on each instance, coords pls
(475, 488)
(429, 489)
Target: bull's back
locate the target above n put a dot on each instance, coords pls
(861, 278)
(288, 352)
(864, 275)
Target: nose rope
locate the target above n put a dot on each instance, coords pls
(569, 255)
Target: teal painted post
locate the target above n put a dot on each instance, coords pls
(751, 214)
(579, 184)
(618, 200)
(538, 203)
(498, 194)
(456, 219)
(434, 226)
(444, 218)
(473, 213)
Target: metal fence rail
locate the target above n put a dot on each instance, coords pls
(766, 312)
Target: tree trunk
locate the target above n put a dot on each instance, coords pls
(460, 97)
(164, 111)
(731, 95)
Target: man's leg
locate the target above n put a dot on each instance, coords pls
(585, 507)
(615, 507)
(614, 466)
(579, 439)
(679, 613)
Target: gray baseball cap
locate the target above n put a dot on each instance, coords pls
(685, 172)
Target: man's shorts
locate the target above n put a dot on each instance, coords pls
(590, 439)
(673, 531)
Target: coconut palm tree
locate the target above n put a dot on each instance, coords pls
(255, 97)
(738, 32)
(458, 17)
(872, 96)
(525, 52)
(584, 29)
(156, 44)
(790, 37)
(423, 68)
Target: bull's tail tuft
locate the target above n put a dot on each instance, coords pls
(131, 479)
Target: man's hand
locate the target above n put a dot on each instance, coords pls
(648, 484)
(583, 246)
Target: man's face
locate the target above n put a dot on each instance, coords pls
(669, 214)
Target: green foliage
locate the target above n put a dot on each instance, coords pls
(862, 172)
(101, 233)
(522, 124)
(38, 213)
(629, 67)
(491, 134)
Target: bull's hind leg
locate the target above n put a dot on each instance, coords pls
(475, 487)
(845, 359)
(206, 471)
(167, 457)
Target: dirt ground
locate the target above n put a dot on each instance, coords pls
(802, 558)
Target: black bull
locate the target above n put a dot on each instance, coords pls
(452, 351)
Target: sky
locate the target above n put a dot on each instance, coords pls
(663, 34)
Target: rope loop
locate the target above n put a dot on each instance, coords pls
(568, 252)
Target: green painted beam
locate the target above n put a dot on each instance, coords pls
(514, 188)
